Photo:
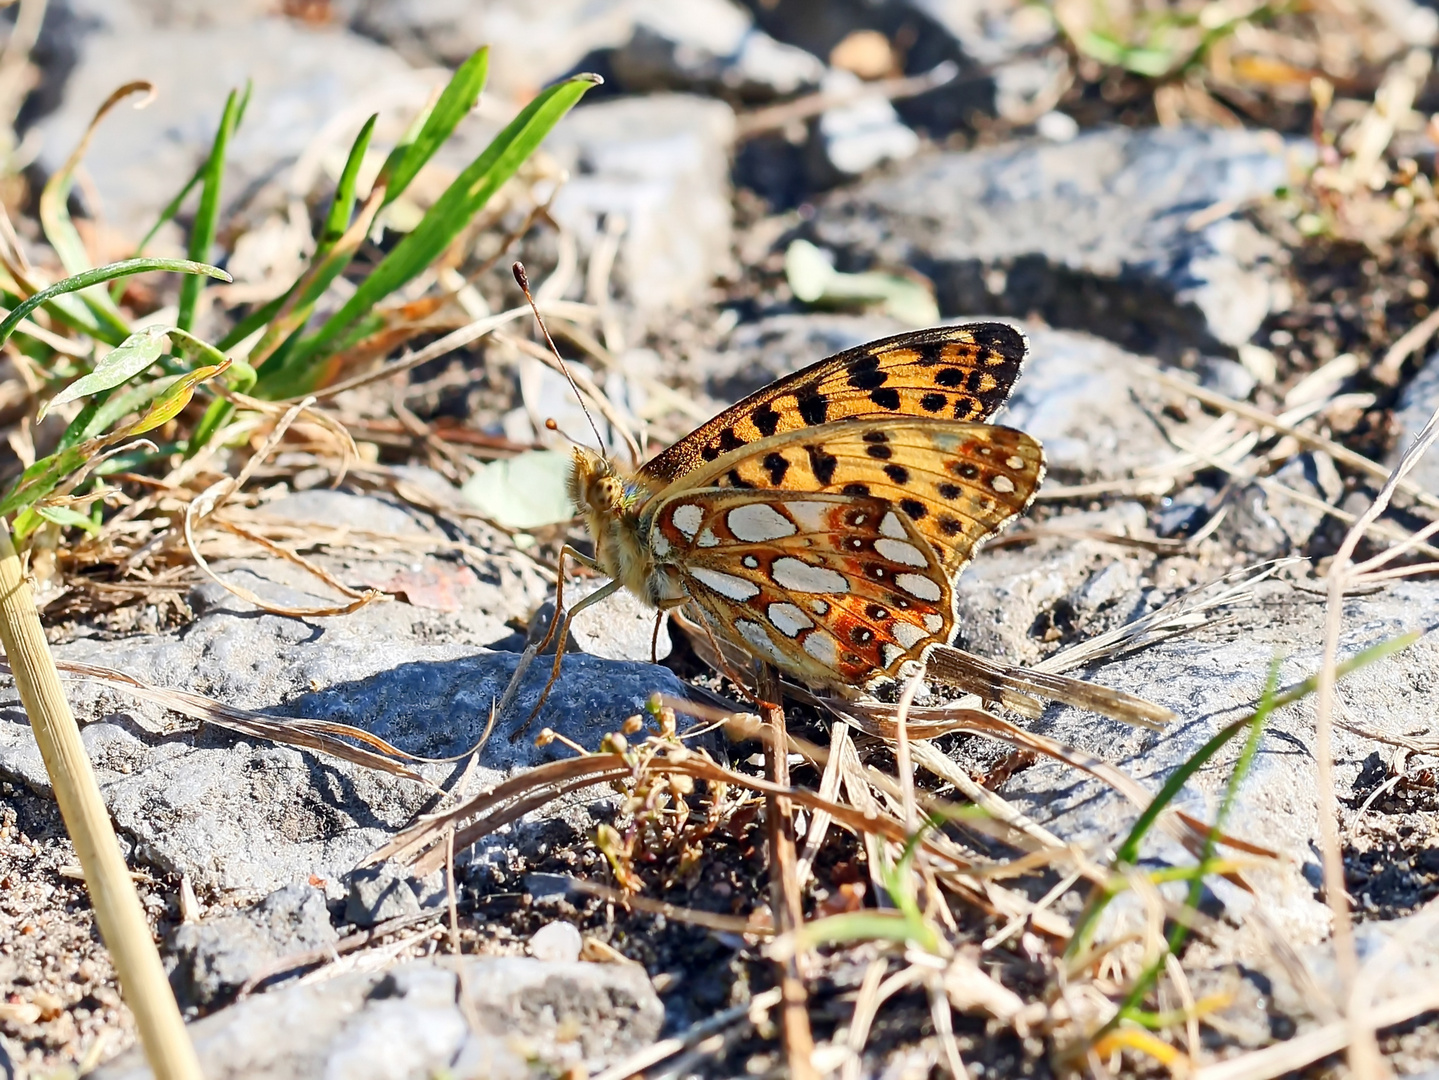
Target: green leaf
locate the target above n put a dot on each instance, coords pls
(120, 364)
(813, 280)
(459, 97)
(344, 202)
(202, 232)
(67, 515)
(41, 478)
(523, 492)
(98, 276)
(175, 399)
(443, 222)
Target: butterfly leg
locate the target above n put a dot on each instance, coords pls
(561, 621)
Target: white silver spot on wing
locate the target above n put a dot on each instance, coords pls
(659, 544)
(788, 619)
(1014, 462)
(707, 538)
(687, 519)
(727, 585)
(1001, 484)
(934, 623)
(822, 647)
(892, 527)
(751, 562)
(900, 551)
(758, 522)
(889, 653)
(790, 573)
(755, 636)
(819, 607)
(907, 634)
(919, 585)
(811, 517)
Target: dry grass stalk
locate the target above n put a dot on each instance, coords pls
(117, 906)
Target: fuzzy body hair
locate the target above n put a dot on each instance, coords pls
(611, 504)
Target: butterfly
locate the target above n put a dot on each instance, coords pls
(819, 524)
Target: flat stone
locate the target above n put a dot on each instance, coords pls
(466, 1017)
(1092, 234)
(303, 77)
(556, 941)
(214, 958)
(1212, 677)
(659, 164)
(247, 815)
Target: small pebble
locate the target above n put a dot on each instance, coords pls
(556, 942)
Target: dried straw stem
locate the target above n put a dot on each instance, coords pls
(117, 905)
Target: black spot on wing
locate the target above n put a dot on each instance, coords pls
(868, 380)
(882, 453)
(933, 402)
(736, 480)
(821, 464)
(776, 465)
(898, 473)
(857, 490)
(914, 508)
(885, 398)
(766, 420)
(728, 440)
(950, 526)
(950, 376)
(949, 491)
(813, 408)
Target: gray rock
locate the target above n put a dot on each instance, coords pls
(1268, 524)
(214, 958)
(1416, 405)
(247, 815)
(467, 1017)
(852, 139)
(1212, 677)
(1228, 377)
(1079, 396)
(378, 893)
(618, 627)
(710, 46)
(195, 54)
(1093, 233)
(1186, 512)
(661, 164)
(531, 44)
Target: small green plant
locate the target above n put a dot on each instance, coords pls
(142, 378)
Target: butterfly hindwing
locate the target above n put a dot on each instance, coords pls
(945, 373)
(833, 589)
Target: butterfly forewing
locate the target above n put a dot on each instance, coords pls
(958, 483)
(837, 590)
(947, 373)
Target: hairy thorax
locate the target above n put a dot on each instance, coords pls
(611, 505)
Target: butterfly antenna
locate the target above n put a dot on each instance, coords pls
(523, 280)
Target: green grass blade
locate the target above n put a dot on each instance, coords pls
(344, 202)
(202, 232)
(99, 276)
(444, 221)
(173, 206)
(459, 97)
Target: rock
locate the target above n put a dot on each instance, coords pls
(710, 46)
(1185, 513)
(1227, 377)
(195, 55)
(556, 941)
(659, 165)
(378, 893)
(530, 45)
(1268, 524)
(213, 959)
(1417, 404)
(618, 627)
(852, 139)
(1091, 234)
(1080, 397)
(1213, 676)
(247, 815)
(508, 1018)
